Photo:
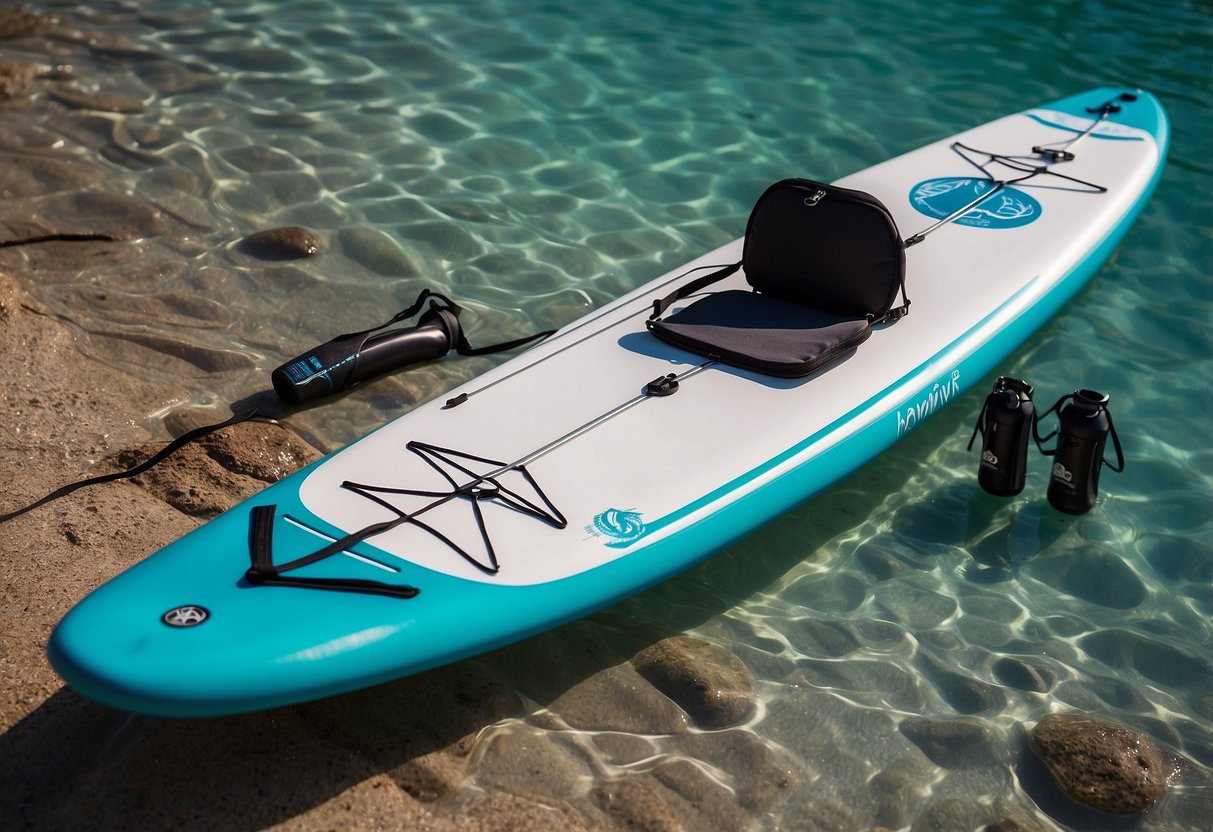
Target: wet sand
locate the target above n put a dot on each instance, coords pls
(70, 763)
(391, 757)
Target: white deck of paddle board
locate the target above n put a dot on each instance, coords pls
(727, 431)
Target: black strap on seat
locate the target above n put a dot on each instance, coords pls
(661, 305)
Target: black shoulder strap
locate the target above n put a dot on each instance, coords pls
(897, 312)
(441, 303)
(662, 304)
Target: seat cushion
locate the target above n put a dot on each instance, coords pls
(758, 332)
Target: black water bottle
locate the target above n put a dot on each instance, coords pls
(1084, 425)
(348, 359)
(1006, 423)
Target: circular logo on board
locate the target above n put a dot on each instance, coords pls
(189, 615)
(621, 524)
(939, 198)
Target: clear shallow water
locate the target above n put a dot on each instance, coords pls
(537, 159)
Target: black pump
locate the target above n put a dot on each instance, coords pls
(348, 359)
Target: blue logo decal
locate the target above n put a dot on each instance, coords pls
(1009, 208)
(621, 524)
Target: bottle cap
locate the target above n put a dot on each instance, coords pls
(1091, 401)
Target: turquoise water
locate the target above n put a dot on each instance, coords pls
(535, 159)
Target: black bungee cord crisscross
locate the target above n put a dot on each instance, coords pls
(1019, 164)
(482, 487)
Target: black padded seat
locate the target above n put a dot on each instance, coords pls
(826, 263)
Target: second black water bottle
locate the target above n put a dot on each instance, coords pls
(1084, 425)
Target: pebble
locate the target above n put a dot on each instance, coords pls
(964, 693)
(527, 761)
(16, 22)
(634, 803)
(30, 175)
(289, 243)
(882, 565)
(619, 699)
(1024, 674)
(107, 212)
(15, 78)
(1011, 823)
(377, 252)
(830, 639)
(1101, 765)
(101, 102)
(948, 813)
(1098, 577)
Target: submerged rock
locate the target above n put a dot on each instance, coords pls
(377, 252)
(1105, 766)
(707, 681)
(951, 743)
(99, 101)
(15, 77)
(948, 813)
(1010, 823)
(617, 699)
(16, 22)
(1025, 674)
(288, 243)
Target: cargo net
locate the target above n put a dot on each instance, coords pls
(1014, 170)
(485, 487)
(477, 480)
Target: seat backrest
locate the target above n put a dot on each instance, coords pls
(824, 247)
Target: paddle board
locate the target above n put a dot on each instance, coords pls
(564, 480)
